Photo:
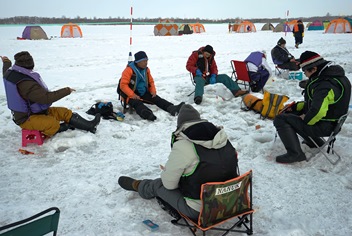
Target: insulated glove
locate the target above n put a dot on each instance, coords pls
(212, 79)
(199, 73)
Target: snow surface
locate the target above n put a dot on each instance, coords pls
(78, 171)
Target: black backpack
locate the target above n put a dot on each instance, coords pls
(104, 108)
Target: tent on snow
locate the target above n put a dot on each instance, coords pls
(316, 25)
(33, 32)
(282, 27)
(244, 27)
(71, 31)
(339, 25)
(165, 28)
(326, 23)
(198, 28)
(185, 29)
(268, 26)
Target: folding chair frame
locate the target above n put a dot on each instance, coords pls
(238, 68)
(34, 227)
(194, 84)
(330, 141)
(242, 217)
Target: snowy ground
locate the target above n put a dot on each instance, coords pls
(78, 171)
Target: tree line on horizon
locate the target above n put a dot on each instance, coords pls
(121, 20)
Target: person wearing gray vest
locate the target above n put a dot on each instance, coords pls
(30, 100)
(200, 153)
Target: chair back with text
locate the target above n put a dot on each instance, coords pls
(35, 225)
(222, 202)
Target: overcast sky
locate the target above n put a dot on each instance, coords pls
(211, 9)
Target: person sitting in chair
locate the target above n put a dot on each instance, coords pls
(202, 65)
(258, 69)
(283, 58)
(200, 153)
(326, 98)
(138, 85)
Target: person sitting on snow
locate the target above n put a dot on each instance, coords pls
(200, 153)
(326, 98)
(283, 58)
(202, 65)
(138, 85)
(258, 69)
(30, 100)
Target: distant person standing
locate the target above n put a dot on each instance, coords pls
(298, 33)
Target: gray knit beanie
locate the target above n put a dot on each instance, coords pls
(187, 113)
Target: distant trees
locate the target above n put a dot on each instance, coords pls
(119, 20)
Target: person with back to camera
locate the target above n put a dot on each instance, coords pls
(30, 100)
(326, 98)
(283, 58)
(138, 85)
(200, 152)
(202, 65)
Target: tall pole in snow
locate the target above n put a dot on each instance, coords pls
(286, 25)
(130, 59)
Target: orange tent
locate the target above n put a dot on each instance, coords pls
(71, 31)
(165, 28)
(198, 28)
(244, 27)
(338, 26)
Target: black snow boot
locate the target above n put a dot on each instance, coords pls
(294, 152)
(128, 183)
(174, 109)
(78, 122)
(148, 115)
(64, 127)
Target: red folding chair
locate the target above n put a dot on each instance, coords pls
(240, 73)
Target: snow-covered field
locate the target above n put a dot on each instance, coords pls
(78, 171)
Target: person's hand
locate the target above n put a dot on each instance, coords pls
(135, 96)
(199, 73)
(4, 58)
(153, 94)
(212, 79)
(72, 90)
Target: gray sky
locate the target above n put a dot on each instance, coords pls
(213, 9)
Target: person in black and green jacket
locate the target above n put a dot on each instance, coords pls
(326, 98)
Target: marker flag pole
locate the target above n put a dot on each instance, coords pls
(130, 59)
(286, 25)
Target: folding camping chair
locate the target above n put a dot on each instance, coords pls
(240, 73)
(33, 226)
(221, 202)
(330, 141)
(283, 73)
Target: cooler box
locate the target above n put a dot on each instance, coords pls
(298, 75)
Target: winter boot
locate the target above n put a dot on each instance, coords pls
(148, 115)
(78, 122)
(64, 127)
(173, 109)
(290, 140)
(198, 100)
(128, 183)
(168, 208)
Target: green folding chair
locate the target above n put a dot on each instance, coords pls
(33, 226)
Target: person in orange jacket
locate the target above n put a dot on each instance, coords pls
(138, 85)
(298, 33)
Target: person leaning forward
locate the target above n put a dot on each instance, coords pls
(138, 85)
(30, 100)
(200, 153)
(326, 98)
(202, 65)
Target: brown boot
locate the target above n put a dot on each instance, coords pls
(238, 93)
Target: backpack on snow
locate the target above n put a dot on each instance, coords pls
(268, 107)
(105, 109)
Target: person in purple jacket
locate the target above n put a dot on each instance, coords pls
(30, 100)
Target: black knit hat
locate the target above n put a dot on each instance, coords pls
(310, 59)
(281, 41)
(140, 56)
(24, 59)
(187, 113)
(209, 49)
